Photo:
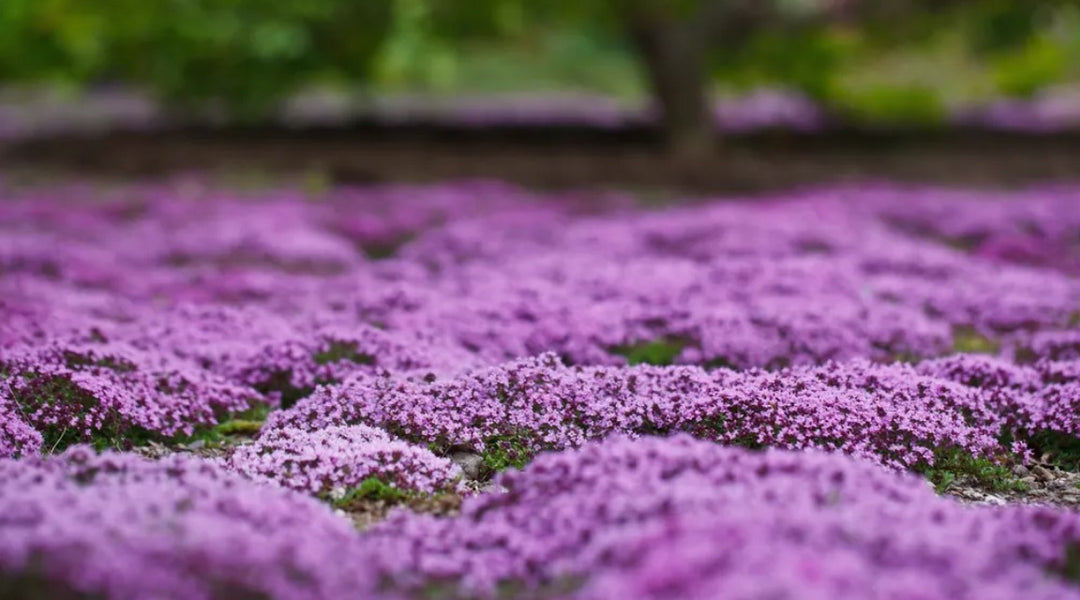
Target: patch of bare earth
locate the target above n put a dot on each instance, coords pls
(366, 512)
(1045, 485)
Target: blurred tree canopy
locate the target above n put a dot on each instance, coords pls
(245, 56)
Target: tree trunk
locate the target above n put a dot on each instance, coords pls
(674, 53)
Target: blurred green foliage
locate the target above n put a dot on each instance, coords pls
(891, 104)
(805, 60)
(244, 56)
(244, 53)
(1027, 70)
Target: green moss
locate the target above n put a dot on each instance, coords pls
(257, 412)
(558, 587)
(34, 581)
(281, 383)
(387, 248)
(967, 339)
(373, 489)
(662, 351)
(504, 452)
(1063, 449)
(954, 463)
(75, 361)
(240, 427)
(450, 589)
(719, 362)
(906, 357)
(339, 351)
(1069, 567)
(242, 424)
(126, 438)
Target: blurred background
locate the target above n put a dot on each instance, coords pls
(687, 94)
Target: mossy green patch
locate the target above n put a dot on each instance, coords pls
(371, 489)
(968, 340)
(34, 581)
(280, 383)
(75, 360)
(504, 452)
(1062, 449)
(123, 439)
(1069, 566)
(338, 351)
(384, 249)
(954, 463)
(246, 423)
(240, 427)
(507, 589)
(661, 351)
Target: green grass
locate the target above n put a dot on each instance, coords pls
(661, 351)
(239, 427)
(966, 339)
(1063, 449)
(338, 351)
(505, 452)
(953, 464)
(373, 489)
(243, 424)
(1069, 567)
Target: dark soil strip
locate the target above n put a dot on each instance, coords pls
(567, 157)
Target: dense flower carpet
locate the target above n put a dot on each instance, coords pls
(723, 399)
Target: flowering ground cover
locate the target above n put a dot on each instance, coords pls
(565, 396)
(25, 114)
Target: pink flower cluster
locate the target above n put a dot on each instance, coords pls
(379, 323)
(680, 518)
(76, 389)
(340, 458)
(79, 525)
(160, 308)
(1042, 230)
(1030, 399)
(896, 414)
(647, 518)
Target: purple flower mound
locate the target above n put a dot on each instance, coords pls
(121, 527)
(1042, 230)
(342, 457)
(1050, 345)
(275, 354)
(1044, 397)
(888, 413)
(680, 518)
(77, 390)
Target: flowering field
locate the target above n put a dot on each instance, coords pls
(475, 391)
